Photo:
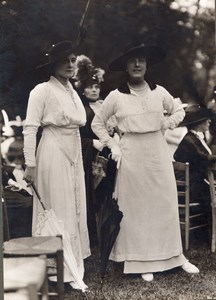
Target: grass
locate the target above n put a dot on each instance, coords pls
(174, 284)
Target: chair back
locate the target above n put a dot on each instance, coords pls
(212, 184)
(189, 219)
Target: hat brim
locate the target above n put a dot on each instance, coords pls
(152, 54)
(192, 122)
(45, 66)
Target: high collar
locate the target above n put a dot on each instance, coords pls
(56, 82)
(123, 88)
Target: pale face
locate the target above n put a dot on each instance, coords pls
(64, 69)
(92, 92)
(136, 67)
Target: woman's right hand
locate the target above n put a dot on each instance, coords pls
(116, 155)
(98, 145)
(29, 175)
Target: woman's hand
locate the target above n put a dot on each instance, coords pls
(15, 186)
(29, 175)
(98, 145)
(116, 155)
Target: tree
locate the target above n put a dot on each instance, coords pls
(29, 28)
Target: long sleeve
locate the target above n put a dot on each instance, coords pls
(174, 108)
(33, 121)
(99, 123)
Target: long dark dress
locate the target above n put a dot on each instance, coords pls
(89, 154)
(94, 197)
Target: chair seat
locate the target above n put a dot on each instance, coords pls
(32, 246)
(19, 295)
(23, 271)
(51, 246)
(24, 277)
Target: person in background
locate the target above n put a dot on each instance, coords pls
(57, 169)
(212, 128)
(88, 83)
(194, 149)
(149, 240)
(175, 135)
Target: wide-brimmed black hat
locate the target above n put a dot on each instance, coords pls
(152, 54)
(57, 52)
(195, 114)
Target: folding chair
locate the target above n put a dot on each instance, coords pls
(189, 220)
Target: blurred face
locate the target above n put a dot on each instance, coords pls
(64, 69)
(92, 92)
(136, 67)
(204, 126)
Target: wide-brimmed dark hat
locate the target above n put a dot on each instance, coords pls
(57, 52)
(195, 114)
(152, 54)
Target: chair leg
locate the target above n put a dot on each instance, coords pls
(187, 235)
(60, 274)
(213, 241)
(44, 290)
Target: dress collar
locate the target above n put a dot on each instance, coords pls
(125, 89)
(56, 82)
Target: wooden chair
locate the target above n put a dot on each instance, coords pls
(24, 277)
(189, 220)
(212, 184)
(51, 246)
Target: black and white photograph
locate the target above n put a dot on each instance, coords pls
(108, 149)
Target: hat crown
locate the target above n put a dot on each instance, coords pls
(57, 52)
(60, 50)
(195, 114)
(152, 54)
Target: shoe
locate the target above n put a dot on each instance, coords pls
(190, 268)
(147, 276)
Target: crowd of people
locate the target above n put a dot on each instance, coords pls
(126, 133)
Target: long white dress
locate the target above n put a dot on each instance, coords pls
(59, 167)
(149, 239)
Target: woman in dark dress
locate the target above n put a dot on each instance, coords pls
(194, 149)
(88, 85)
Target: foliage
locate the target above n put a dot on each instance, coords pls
(28, 29)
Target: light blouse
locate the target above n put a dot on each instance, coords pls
(50, 104)
(138, 112)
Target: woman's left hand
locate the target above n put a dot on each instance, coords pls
(29, 175)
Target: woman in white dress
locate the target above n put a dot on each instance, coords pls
(149, 239)
(57, 169)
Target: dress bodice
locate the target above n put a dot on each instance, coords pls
(50, 103)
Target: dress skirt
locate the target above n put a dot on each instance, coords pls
(149, 239)
(61, 186)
